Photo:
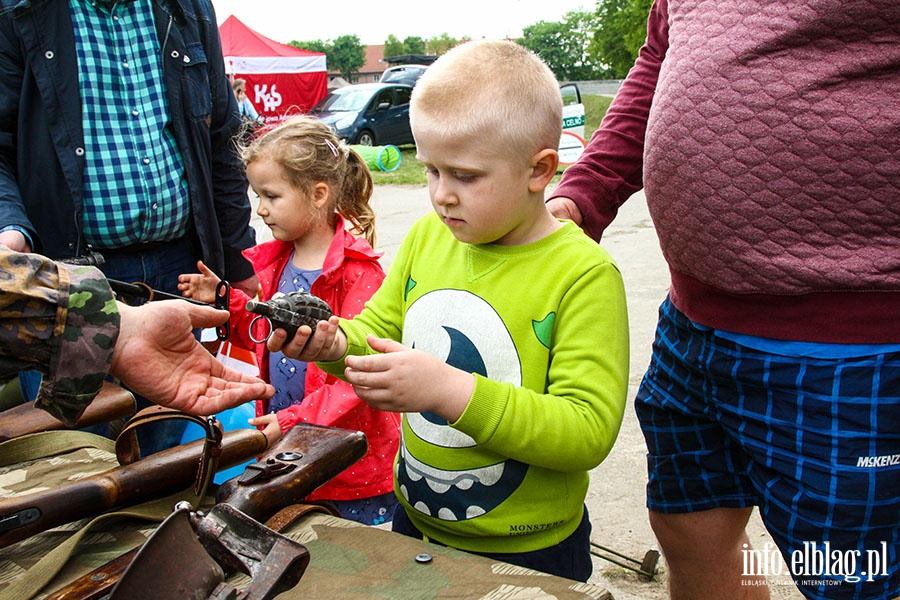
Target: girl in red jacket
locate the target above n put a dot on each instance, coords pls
(310, 185)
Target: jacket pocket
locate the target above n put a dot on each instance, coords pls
(195, 82)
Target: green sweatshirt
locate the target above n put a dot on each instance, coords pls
(544, 328)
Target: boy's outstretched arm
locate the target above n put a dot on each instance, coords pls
(404, 380)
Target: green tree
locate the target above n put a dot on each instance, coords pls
(312, 46)
(347, 55)
(414, 45)
(620, 33)
(440, 44)
(563, 45)
(393, 46)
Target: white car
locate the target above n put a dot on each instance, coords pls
(571, 142)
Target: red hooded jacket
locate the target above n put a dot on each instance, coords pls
(350, 275)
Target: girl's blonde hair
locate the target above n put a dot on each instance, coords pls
(310, 152)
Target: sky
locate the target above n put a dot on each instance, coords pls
(373, 20)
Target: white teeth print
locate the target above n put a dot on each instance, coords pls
(463, 480)
(436, 493)
(474, 511)
(445, 514)
(438, 487)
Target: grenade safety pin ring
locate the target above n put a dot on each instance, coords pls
(267, 336)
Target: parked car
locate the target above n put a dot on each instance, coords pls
(408, 74)
(571, 142)
(370, 114)
(573, 109)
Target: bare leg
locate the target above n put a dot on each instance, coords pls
(703, 553)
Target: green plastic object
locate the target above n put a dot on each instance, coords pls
(383, 158)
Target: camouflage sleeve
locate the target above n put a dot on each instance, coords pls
(61, 320)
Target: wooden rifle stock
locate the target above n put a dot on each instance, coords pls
(318, 453)
(156, 476)
(96, 584)
(300, 461)
(113, 402)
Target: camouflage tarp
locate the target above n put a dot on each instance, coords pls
(351, 561)
(347, 560)
(98, 547)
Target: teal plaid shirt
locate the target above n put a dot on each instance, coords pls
(134, 185)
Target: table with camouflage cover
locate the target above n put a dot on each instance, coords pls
(347, 560)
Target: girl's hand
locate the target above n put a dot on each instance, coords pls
(270, 427)
(405, 380)
(200, 286)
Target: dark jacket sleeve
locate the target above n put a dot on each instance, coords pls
(611, 168)
(12, 210)
(230, 187)
(205, 122)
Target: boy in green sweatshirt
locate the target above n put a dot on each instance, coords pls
(500, 332)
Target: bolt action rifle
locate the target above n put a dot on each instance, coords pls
(113, 402)
(303, 459)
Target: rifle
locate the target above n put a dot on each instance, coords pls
(156, 476)
(300, 461)
(290, 470)
(196, 549)
(113, 402)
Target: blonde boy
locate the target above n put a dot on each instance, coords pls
(500, 332)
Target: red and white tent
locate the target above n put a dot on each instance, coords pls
(281, 80)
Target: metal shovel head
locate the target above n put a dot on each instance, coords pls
(170, 564)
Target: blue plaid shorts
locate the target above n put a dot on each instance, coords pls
(815, 443)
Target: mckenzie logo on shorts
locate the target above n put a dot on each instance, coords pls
(875, 462)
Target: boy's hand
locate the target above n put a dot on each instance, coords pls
(270, 427)
(200, 286)
(327, 344)
(405, 380)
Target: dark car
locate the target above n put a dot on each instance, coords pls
(370, 114)
(408, 74)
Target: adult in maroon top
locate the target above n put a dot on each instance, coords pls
(766, 136)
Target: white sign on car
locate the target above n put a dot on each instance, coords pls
(571, 142)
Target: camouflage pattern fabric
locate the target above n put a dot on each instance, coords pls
(348, 560)
(98, 548)
(61, 320)
(353, 561)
